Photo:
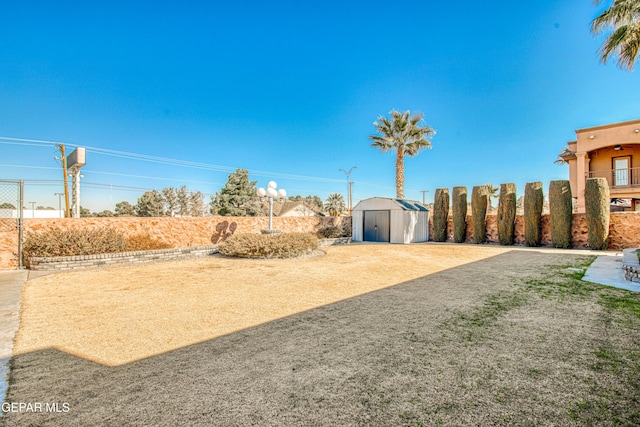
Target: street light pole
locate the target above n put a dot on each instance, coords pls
(271, 193)
(349, 186)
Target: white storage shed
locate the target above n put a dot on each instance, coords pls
(381, 219)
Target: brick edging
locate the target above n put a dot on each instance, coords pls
(333, 242)
(78, 262)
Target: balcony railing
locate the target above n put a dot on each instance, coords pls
(628, 177)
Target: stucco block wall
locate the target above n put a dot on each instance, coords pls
(624, 230)
(178, 232)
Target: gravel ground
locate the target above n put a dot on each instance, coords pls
(365, 335)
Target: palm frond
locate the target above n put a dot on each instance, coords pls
(622, 23)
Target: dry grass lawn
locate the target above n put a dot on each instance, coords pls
(365, 335)
(116, 316)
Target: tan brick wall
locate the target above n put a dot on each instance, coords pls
(624, 230)
(178, 232)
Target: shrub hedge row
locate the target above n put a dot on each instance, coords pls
(57, 242)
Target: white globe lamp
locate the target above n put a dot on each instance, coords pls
(271, 193)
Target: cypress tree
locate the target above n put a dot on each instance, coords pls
(507, 214)
(459, 206)
(561, 213)
(533, 202)
(597, 208)
(440, 214)
(479, 202)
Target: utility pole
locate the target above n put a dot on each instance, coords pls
(349, 186)
(63, 157)
(424, 192)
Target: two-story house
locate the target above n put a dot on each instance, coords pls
(609, 151)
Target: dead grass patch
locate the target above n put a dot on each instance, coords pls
(116, 316)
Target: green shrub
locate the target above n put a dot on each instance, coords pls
(459, 206)
(560, 213)
(286, 245)
(597, 210)
(440, 214)
(533, 202)
(507, 214)
(479, 202)
(332, 232)
(58, 242)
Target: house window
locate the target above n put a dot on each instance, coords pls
(621, 169)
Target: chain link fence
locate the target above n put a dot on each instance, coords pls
(11, 205)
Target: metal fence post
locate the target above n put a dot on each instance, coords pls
(20, 224)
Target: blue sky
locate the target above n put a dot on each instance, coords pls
(292, 89)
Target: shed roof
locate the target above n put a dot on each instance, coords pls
(384, 203)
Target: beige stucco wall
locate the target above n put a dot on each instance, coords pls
(178, 232)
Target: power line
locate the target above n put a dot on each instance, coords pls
(28, 167)
(166, 160)
(117, 174)
(176, 162)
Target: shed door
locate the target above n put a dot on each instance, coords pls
(376, 226)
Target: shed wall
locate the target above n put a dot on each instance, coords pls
(420, 230)
(405, 226)
(396, 234)
(357, 223)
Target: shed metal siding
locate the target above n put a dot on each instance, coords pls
(408, 220)
(397, 226)
(413, 227)
(357, 220)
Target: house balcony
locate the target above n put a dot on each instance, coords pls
(622, 182)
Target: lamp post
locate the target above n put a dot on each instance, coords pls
(271, 193)
(349, 184)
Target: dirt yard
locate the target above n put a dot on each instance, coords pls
(364, 335)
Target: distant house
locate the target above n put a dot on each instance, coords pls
(610, 151)
(289, 208)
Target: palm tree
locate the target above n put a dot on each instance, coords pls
(407, 134)
(562, 157)
(335, 204)
(492, 191)
(622, 21)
